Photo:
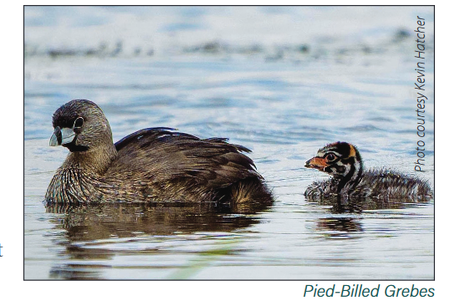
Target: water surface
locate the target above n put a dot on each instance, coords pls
(282, 92)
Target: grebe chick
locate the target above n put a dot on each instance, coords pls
(151, 165)
(350, 184)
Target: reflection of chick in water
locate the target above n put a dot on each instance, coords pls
(93, 222)
(151, 165)
(336, 227)
(353, 189)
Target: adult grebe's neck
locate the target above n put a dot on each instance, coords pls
(95, 161)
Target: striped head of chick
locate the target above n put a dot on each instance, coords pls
(340, 160)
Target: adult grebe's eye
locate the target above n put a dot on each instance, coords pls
(78, 123)
(330, 157)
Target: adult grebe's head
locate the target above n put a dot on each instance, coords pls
(80, 125)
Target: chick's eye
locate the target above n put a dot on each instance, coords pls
(330, 157)
(78, 123)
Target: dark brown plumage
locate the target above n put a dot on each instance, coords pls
(353, 189)
(150, 165)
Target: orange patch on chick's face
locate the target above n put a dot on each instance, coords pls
(317, 163)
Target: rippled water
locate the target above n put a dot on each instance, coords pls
(282, 97)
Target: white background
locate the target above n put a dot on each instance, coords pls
(11, 172)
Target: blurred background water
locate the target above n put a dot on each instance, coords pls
(283, 81)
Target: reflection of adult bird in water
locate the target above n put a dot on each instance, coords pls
(88, 222)
(150, 165)
(350, 183)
